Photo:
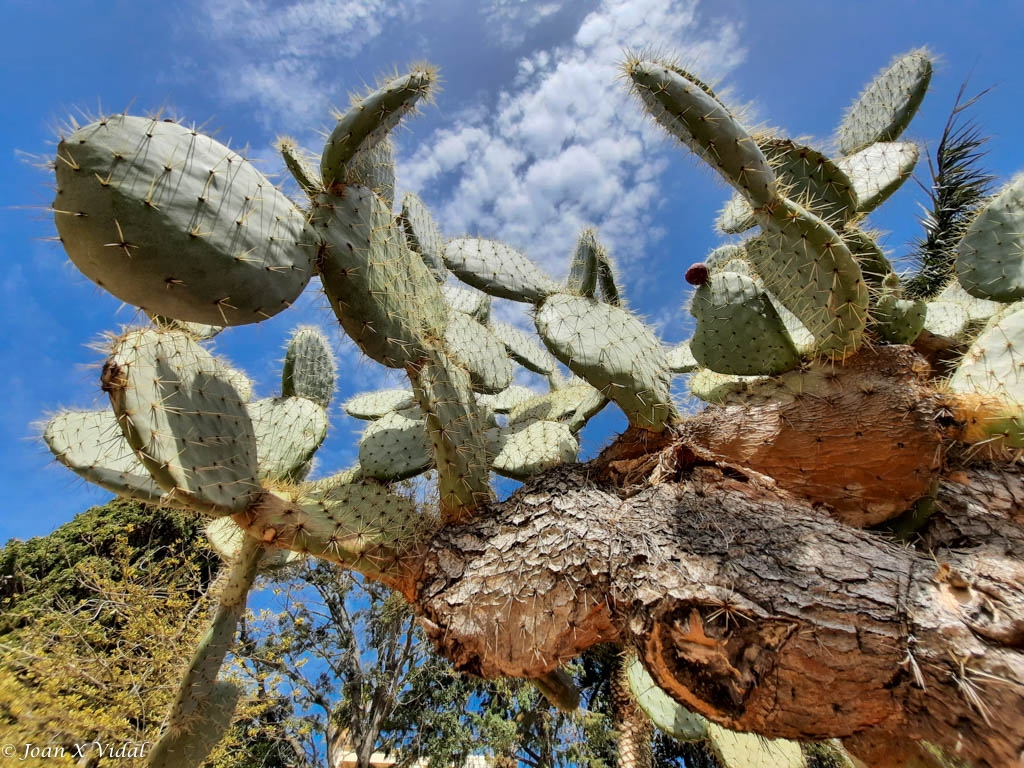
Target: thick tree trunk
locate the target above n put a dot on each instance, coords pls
(633, 729)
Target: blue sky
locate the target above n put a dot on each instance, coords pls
(531, 138)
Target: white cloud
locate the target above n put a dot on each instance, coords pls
(509, 21)
(282, 56)
(566, 146)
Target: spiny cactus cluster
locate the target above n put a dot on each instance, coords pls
(170, 220)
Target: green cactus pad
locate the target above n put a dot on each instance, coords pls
(949, 319)
(879, 170)
(238, 379)
(176, 223)
(990, 257)
(373, 405)
(607, 289)
(370, 118)
(865, 250)
(226, 538)
(198, 331)
(523, 349)
(689, 110)
(665, 712)
(424, 235)
(473, 347)
(806, 265)
(895, 319)
(468, 301)
(977, 309)
(614, 352)
(498, 270)
(527, 449)
(189, 746)
(184, 419)
(749, 750)
(91, 444)
(506, 400)
(681, 359)
(582, 279)
(455, 426)
(719, 388)
(738, 330)
(995, 362)
(723, 257)
(385, 297)
(299, 165)
(374, 168)
(309, 368)
(807, 177)
(574, 405)
(288, 432)
(395, 447)
(888, 104)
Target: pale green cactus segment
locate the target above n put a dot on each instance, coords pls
(807, 266)
(615, 352)
(888, 104)
(184, 419)
(607, 288)
(805, 176)
(226, 539)
(370, 118)
(723, 259)
(523, 349)
(477, 350)
(315, 488)
(949, 319)
(176, 223)
(866, 252)
(994, 364)
(299, 165)
(666, 713)
(363, 525)
(189, 746)
(198, 331)
(895, 319)
(468, 301)
(424, 235)
(90, 444)
(374, 168)
(382, 293)
(680, 358)
(374, 405)
(395, 447)
(455, 427)
(574, 405)
(749, 750)
(689, 110)
(977, 309)
(738, 330)
(186, 739)
(498, 270)
(879, 170)
(990, 257)
(582, 279)
(524, 450)
(238, 379)
(288, 430)
(720, 388)
(309, 368)
(506, 400)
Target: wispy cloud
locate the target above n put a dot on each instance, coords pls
(509, 21)
(564, 146)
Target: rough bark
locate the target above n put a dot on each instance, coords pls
(634, 730)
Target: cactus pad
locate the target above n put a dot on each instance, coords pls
(373, 405)
(527, 449)
(309, 368)
(178, 224)
(614, 352)
(681, 359)
(226, 538)
(498, 270)
(574, 404)
(473, 347)
(888, 104)
(424, 235)
(990, 257)
(468, 301)
(995, 362)
(184, 419)
(369, 119)
(385, 297)
(288, 432)
(523, 349)
(506, 400)
(91, 444)
(582, 279)
(738, 330)
(691, 112)
(374, 168)
(395, 447)
(879, 170)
